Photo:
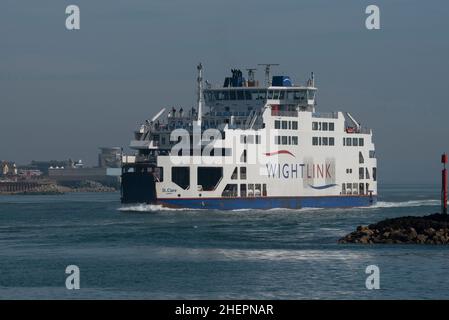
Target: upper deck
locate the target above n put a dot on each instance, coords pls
(237, 104)
(302, 96)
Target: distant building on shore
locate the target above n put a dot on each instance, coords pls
(68, 171)
(110, 157)
(8, 168)
(109, 163)
(44, 166)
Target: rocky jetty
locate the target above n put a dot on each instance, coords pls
(90, 186)
(431, 229)
(44, 189)
(53, 188)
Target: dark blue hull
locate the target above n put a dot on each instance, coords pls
(271, 202)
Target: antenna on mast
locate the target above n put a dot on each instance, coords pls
(251, 79)
(267, 72)
(251, 73)
(200, 93)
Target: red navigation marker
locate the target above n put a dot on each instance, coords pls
(444, 185)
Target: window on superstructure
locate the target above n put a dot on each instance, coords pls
(232, 95)
(255, 95)
(372, 154)
(242, 173)
(276, 94)
(361, 142)
(355, 142)
(315, 141)
(284, 140)
(331, 126)
(243, 157)
(324, 127)
(361, 173)
(284, 125)
(230, 191)
(209, 177)
(264, 190)
(234, 175)
(270, 94)
(331, 141)
(289, 140)
(314, 126)
(181, 176)
(240, 95)
(243, 139)
(355, 188)
(257, 190)
(277, 124)
(294, 125)
(250, 190)
(250, 139)
(297, 95)
(248, 95)
(343, 188)
(325, 141)
(348, 142)
(258, 139)
(310, 94)
(367, 173)
(295, 140)
(282, 95)
(243, 190)
(361, 159)
(361, 188)
(226, 95)
(374, 174)
(277, 140)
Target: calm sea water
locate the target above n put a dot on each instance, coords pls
(148, 252)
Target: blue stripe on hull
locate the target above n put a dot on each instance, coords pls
(271, 202)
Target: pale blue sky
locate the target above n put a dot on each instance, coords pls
(63, 94)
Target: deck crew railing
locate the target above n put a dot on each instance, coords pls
(327, 115)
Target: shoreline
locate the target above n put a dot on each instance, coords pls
(53, 188)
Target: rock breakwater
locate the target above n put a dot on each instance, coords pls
(431, 229)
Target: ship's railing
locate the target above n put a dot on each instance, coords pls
(145, 158)
(283, 113)
(229, 113)
(326, 115)
(362, 130)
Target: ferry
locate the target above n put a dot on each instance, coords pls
(250, 144)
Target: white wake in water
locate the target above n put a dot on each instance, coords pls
(149, 208)
(378, 205)
(406, 204)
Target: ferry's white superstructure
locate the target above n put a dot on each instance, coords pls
(252, 146)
